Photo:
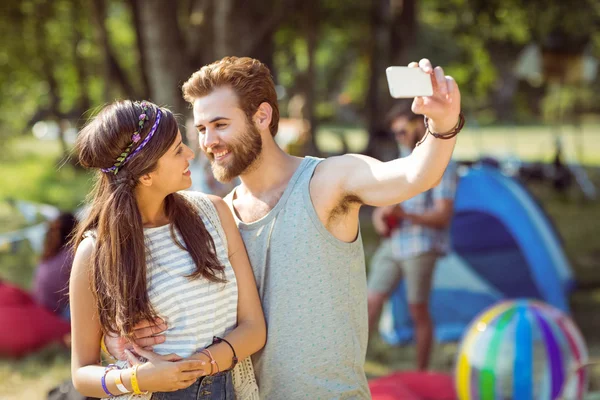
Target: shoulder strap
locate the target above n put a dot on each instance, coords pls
(207, 208)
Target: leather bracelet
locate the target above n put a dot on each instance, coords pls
(445, 136)
(234, 359)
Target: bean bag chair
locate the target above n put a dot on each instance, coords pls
(26, 326)
(413, 385)
(13, 296)
(389, 389)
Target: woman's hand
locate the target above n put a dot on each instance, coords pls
(166, 373)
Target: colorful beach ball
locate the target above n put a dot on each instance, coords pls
(521, 350)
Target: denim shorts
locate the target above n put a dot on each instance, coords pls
(212, 387)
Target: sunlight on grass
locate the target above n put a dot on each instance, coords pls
(530, 143)
(32, 377)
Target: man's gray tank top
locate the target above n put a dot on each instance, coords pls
(314, 296)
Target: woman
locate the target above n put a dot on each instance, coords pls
(146, 252)
(52, 274)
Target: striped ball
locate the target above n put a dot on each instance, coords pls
(521, 350)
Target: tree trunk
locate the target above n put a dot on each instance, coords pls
(201, 34)
(254, 28)
(223, 22)
(47, 70)
(403, 30)
(165, 51)
(378, 56)
(134, 6)
(83, 102)
(113, 69)
(311, 34)
(503, 57)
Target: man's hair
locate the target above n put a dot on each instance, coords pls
(249, 78)
(401, 109)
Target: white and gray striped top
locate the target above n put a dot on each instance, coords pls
(195, 309)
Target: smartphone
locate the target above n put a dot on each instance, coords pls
(405, 82)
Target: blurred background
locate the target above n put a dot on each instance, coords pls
(527, 71)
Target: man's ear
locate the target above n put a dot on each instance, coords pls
(263, 115)
(146, 180)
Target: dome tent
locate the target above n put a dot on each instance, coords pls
(503, 246)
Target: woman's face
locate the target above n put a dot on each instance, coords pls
(172, 173)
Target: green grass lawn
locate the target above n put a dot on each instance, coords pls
(34, 170)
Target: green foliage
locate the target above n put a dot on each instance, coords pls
(43, 41)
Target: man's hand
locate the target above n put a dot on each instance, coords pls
(443, 107)
(146, 334)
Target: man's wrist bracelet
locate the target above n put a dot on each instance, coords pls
(448, 135)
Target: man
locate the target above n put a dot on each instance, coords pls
(419, 235)
(299, 221)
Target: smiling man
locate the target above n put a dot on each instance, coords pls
(299, 221)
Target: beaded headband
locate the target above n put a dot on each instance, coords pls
(127, 154)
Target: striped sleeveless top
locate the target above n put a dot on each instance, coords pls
(195, 309)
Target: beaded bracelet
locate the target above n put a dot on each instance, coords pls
(108, 368)
(234, 359)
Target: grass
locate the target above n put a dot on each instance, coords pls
(33, 170)
(32, 377)
(530, 143)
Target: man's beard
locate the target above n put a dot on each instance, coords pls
(243, 152)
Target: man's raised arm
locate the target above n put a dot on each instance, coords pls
(379, 183)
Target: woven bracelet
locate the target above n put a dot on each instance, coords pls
(448, 135)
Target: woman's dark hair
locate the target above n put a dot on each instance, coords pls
(118, 262)
(59, 234)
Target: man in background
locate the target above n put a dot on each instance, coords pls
(416, 234)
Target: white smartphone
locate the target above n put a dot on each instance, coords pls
(405, 82)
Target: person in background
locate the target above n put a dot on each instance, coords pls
(416, 235)
(51, 279)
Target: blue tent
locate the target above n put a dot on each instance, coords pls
(503, 246)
